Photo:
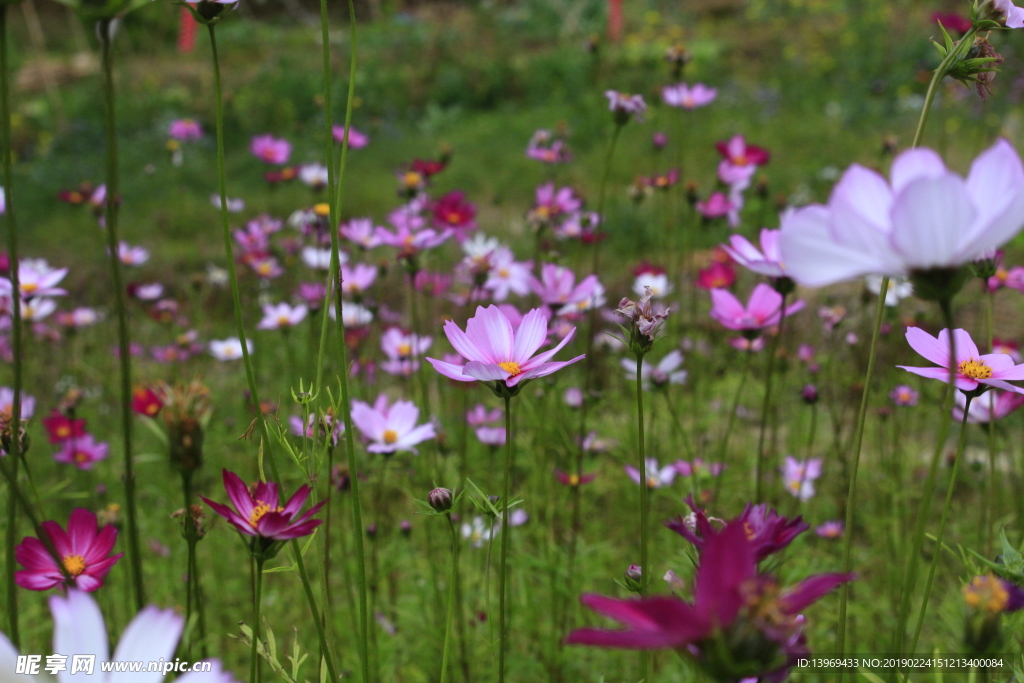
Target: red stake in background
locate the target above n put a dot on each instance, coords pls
(186, 32)
(614, 20)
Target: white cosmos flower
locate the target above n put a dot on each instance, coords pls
(78, 628)
(228, 349)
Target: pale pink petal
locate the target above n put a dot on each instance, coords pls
(935, 350)
(912, 164)
(530, 336)
(485, 372)
(450, 370)
(928, 218)
(78, 628)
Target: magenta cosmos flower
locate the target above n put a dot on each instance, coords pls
(688, 96)
(763, 310)
(972, 367)
(270, 149)
(925, 217)
(356, 139)
(995, 406)
(259, 513)
(731, 601)
(767, 531)
(765, 261)
(84, 552)
(494, 353)
(185, 129)
(390, 428)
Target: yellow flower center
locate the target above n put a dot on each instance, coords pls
(263, 268)
(574, 480)
(173, 145)
(283, 321)
(454, 217)
(62, 432)
(511, 367)
(652, 482)
(404, 349)
(975, 369)
(390, 436)
(261, 509)
(322, 209)
(73, 564)
(81, 456)
(412, 179)
(503, 273)
(986, 592)
(543, 213)
(29, 287)
(748, 531)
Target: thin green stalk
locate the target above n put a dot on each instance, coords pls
(257, 579)
(966, 41)
(603, 190)
(190, 541)
(942, 522)
(991, 505)
(732, 414)
(124, 342)
(451, 598)
(767, 404)
(858, 442)
(645, 569)
(12, 250)
(336, 192)
(910, 573)
(321, 633)
(503, 570)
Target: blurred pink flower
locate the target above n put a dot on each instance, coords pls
(271, 150)
(390, 428)
(84, 552)
(764, 309)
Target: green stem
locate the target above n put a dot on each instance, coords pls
(645, 569)
(991, 505)
(732, 414)
(321, 633)
(257, 579)
(123, 339)
(451, 598)
(910, 574)
(858, 442)
(766, 405)
(937, 76)
(335, 201)
(942, 522)
(190, 541)
(603, 191)
(503, 570)
(12, 249)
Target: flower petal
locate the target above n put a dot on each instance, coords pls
(78, 628)
(928, 217)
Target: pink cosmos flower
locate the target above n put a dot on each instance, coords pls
(185, 130)
(28, 403)
(266, 268)
(259, 513)
(362, 232)
(1008, 347)
(729, 597)
(358, 278)
(766, 261)
(508, 276)
(716, 276)
(1014, 15)
(490, 436)
(903, 395)
(988, 408)
(132, 256)
(82, 452)
(688, 97)
(550, 203)
(1012, 278)
(547, 148)
(356, 140)
(716, 206)
(655, 477)
(972, 367)
(832, 529)
(35, 279)
(573, 479)
(763, 310)
(737, 152)
(497, 353)
(767, 531)
(626, 107)
(282, 316)
(925, 217)
(390, 428)
(456, 212)
(799, 476)
(479, 415)
(84, 552)
(410, 241)
(271, 150)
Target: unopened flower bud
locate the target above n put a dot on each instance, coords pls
(809, 394)
(405, 527)
(371, 531)
(440, 499)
